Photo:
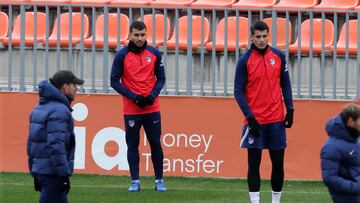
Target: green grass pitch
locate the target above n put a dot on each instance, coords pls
(18, 187)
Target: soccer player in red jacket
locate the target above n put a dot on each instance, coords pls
(138, 75)
(261, 87)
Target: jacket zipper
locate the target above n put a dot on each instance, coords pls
(269, 78)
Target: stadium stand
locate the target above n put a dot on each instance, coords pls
(231, 35)
(337, 5)
(4, 24)
(131, 2)
(112, 31)
(280, 31)
(353, 35)
(212, 3)
(64, 31)
(91, 2)
(214, 26)
(171, 2)
(316, 36)
(254, 4)
(29, 29)
(159, 29)
(50, 1)
(296, 4)
(15, 1)
(196, 33)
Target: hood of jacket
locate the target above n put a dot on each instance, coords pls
(336, 128)
(49, 92)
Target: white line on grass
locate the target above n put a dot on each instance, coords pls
(173, 189)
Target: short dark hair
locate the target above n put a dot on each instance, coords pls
(259, 25)
(137, 25)
(351, 111)
(65, 77)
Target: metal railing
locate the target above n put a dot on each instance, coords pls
(190, 71)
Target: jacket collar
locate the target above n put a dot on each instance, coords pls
(135, 49)
(49, 92)
(260, 51)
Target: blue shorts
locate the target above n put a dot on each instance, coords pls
(272, 136)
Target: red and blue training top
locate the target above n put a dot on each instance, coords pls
(261, 82)
(138, 74)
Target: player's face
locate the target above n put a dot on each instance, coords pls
(357, 124)
(260, 38)
(138, 37)
(354, 123)
(70, 90)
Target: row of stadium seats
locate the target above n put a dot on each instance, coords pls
(183, 27)
(284, 4)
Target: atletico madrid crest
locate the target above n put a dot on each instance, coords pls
(131, 123)
(272, 61)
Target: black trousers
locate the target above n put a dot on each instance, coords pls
(277, 173)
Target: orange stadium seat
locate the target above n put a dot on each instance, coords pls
(50, 1)
(15, 1)
(231, 35)
(353, 35)
(4, 24)
(280, 31)
(171, 2)
(254, 4)
(196, 33)
(64, 29)
(337, 5)
(299, 4)
(212, 3)
(29, 29)
(131, 2)
(159, 28)
(317, 36)
(90, 2)
(112, 31)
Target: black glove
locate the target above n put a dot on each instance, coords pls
(288, 121)
(140, 101)
(149, 100)
(66, 184)
(37, 185)
(254, 127)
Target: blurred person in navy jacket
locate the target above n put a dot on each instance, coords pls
(340, 156)
(51, 141)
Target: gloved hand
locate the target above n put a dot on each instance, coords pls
(288, 121)
(140, 101)
(149, 100)
(66, 184)
(37, 185)
(254, 127)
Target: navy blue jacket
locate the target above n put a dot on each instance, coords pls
(340, 163)
(51, 141)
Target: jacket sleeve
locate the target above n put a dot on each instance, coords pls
(240, 83)
(160, 76)
(330, 166)
(28, 148)
(116, 72)
(286, 84)
(57, 126)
